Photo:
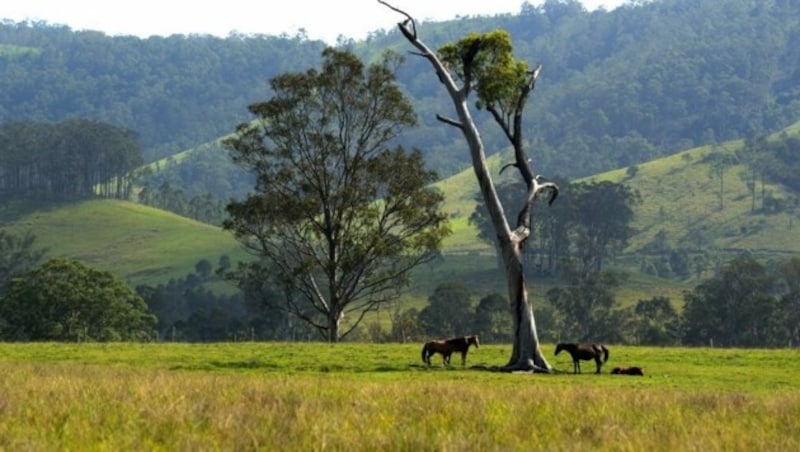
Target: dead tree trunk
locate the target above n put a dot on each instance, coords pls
(526, 353)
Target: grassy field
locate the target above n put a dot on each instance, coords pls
(311, 396)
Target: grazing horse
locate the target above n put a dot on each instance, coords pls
(448, 347)
(628, 371)
(584, 352)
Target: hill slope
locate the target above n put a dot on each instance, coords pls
(680, 197)
(146, 245)
(137, 243)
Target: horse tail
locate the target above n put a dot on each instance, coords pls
(605, 353)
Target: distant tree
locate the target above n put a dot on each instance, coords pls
(585, 307)
(76, 158)
(406, 326)
(448, 312)
(735, 308)
(182, 302)
(340, 218)
(680, 264)
(203, 268)
(602, 222)
(656, 322)
(719, 161)
(18, 254)
(64, 300)
(789, 303)
(591, 221)
(493, 319)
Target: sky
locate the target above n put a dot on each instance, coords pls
(320, 19)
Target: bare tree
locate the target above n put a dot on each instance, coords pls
(484, 64)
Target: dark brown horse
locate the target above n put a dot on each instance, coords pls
(628, 371)
(584, 352)
(448, 347)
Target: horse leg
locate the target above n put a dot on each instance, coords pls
(576, 366)
(463, 359)
(598, 362)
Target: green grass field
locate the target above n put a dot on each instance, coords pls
(313, 396)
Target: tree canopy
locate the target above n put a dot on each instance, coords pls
(338, 217)
(64, 300)
(18, 254)
(625, 85)
(76, 158)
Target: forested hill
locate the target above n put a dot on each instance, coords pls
(618, 87)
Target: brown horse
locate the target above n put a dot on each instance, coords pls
(448, 347)
(584, 352)
(628, 371)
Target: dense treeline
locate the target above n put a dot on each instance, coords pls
(618, 87)
(75, 158)
(176, 92)
(745, 303)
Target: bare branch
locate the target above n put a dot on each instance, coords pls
(506, 166)
(408, 17)
(553, 191)
(452, 122)
(510, 164)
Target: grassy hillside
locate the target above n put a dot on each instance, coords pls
(681, 198)
(679, 192)
(146, 245)
(135, 242)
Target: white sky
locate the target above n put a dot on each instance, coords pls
(321, 19)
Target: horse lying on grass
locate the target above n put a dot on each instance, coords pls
(628, 371)
(448, 347)
(584, 352)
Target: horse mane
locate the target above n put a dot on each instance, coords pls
(463, 342)
(568, 346)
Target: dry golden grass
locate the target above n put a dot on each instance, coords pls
(180, 397)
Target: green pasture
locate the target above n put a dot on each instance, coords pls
(354, 396)
(137, 243)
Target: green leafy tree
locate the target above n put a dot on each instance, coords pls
(448, 312)
(603, 214)
(18, 254)
(64, 300)
(736, 308)
(406, 326)
(585, 308)
(339, 216)
(493, 319)
(656, 322)
(789, 304)
(74, 158)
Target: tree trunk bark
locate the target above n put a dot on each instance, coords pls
(526, 353)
